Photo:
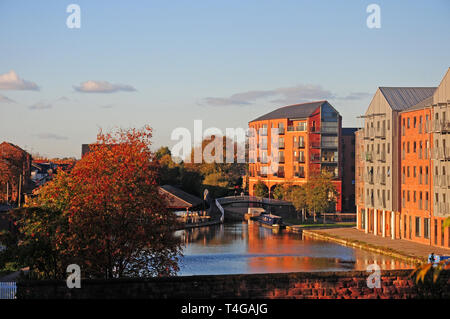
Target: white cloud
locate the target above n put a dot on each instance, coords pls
(287, 95)
(4, 99)
(354, 96)
(40, 106)
(102, 87)
(11, 81)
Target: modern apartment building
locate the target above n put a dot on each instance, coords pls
(301, 140)
(405, 164)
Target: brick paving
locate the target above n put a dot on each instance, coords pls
(400, 245)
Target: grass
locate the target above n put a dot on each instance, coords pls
(310, 224)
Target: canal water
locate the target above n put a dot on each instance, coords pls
(245, 248)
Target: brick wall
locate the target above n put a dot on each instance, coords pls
(394, 284)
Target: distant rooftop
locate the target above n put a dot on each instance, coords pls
(402, 98)
(302, 110)
(179, 199)
(349, 131)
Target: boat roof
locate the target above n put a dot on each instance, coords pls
(273, 216)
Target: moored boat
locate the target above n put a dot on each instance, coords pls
(269, 220)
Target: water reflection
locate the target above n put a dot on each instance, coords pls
(248, 248)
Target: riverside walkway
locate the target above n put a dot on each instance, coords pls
(399, 248)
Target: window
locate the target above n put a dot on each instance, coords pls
(426, 228)
(418, 234)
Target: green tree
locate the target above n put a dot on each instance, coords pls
(261, 189)
(297, 195)
(279, 192)
(321, 194)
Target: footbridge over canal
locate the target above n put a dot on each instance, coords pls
(235, 207)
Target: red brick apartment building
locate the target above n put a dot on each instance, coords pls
(307, 139)
(403, 164)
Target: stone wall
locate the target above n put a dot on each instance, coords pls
(323, 285)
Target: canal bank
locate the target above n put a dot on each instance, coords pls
(407, 251)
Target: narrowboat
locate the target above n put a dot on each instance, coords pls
(269, 220)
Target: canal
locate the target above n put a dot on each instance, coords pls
(244, 248)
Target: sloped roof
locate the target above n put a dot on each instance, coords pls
(402, 98)
(424, 103)
(179, 199)
(292, 111)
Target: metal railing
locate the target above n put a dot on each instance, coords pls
(8, 290)
(381, 133)
(381, 157)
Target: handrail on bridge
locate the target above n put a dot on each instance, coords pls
(256, 199)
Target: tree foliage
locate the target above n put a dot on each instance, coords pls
(106, 215)
(261, 189)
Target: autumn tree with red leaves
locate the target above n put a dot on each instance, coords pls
(115, 222)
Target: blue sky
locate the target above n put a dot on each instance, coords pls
(167, 63)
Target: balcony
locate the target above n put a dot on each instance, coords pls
(380, 133)
(369, 178)
(329, 129)
(442, 126)
(381, 157)
(382, 202)
(315, 158)
(381, 179)
(325, 144)
(369, 133)
(315, 144)
(441, 153)
(263, 131)
(441, 181)
(299, 128)
(427, 126)
(442, 208)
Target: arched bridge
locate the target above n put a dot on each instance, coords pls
(235, 207)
